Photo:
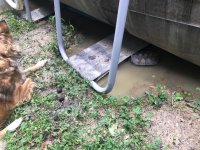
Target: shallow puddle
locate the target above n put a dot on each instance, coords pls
(172, 72)
(132, 80)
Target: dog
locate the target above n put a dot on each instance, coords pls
(15, 88)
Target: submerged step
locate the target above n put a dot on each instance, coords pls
(94, 62)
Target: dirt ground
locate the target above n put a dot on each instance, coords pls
(177, 128)
(31, 42)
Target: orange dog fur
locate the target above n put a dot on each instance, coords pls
(14, 88)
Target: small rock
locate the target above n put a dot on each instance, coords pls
(56, 118)
(61, 99)
(59, 90)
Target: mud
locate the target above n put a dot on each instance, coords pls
(172, 72)
(176, 128)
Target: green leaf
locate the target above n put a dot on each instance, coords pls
(178, 96)
(137, 110)
(198, 88)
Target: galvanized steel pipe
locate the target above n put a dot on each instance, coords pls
(28, 11)
(59, 29)
(119, 32)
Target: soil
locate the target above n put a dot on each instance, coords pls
(177, 128)
(32, 42)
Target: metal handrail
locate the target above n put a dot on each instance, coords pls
(28, 11)
(119, 32)
(59, 30)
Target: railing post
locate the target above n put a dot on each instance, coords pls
(119, 33)
(59, 29)
(117, 44)
(28, 11)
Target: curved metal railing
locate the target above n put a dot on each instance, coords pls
(119, 32)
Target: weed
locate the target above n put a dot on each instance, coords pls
(69, 33)
(155, 145)
(17, 25)
(178, 96)
(197, 104)
(52, 20)
(158, 99)
(84, 119)
(53, 47)
(93, 114)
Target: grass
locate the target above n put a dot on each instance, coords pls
(76, 117)
(17, 25)
(65, 113)
(159, 98)
(69, 34)
(63, 109)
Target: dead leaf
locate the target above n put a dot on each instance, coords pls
(45, 144)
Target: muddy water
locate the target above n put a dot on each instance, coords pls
(172, 72)
(132, 80)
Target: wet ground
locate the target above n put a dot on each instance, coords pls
(176, 128)
(172, 71)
